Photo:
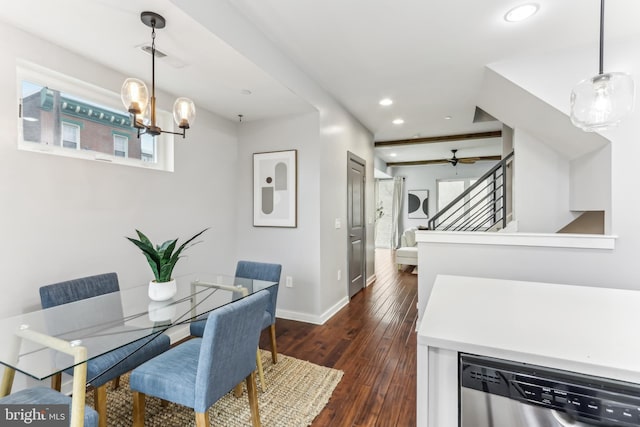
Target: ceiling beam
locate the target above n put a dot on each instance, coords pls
(443, 138)
(442, 161)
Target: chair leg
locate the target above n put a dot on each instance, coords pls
(253, 399)
(237, 391)
(202, 419)
(100, 403)
(56, 381)
(260, 371)
(138, 409)
(116, 382)
(274, 350)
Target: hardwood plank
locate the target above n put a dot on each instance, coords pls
(373, 340)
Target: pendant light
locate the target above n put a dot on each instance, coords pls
(135, 95)
(602, 101)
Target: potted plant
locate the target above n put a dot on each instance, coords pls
(162, 259)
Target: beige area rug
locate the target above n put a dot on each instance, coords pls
(296, 392)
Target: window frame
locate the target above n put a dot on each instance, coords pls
(117, 135)
(78, 133)
(33, 73)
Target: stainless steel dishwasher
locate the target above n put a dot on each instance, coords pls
(499, 393)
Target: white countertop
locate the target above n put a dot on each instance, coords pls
(590, 330)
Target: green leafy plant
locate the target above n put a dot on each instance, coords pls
(162, 258)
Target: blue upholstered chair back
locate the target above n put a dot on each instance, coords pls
(115, 362)
(78, 289)
(228, 350)
(263, 271)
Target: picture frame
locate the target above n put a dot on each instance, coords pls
(418, 204)
(275, 189)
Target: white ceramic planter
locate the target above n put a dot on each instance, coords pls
(162, 291)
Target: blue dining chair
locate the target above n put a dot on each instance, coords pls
(256, 271)
(200, 371)
(109, 366)
(47, 396)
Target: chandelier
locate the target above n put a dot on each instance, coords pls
(135, 95)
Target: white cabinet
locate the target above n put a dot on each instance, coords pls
(575, 328)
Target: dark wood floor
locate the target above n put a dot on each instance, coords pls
(373, 341)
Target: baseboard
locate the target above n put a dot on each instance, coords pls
(311, 318)
(178, 333)
(370, 280)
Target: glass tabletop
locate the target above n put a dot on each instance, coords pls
(110, 321)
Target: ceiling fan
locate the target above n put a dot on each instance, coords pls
(467, 160)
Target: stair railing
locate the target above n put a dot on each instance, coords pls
(481, 207)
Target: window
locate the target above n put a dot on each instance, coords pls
(70, 135)
(147, 148)
(475, 203)
(120, 145)
(64, 116)
(449, 189)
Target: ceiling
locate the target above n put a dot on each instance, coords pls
(427, 56)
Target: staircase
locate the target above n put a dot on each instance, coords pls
(481, 207)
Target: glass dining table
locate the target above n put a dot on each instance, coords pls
(43, 343)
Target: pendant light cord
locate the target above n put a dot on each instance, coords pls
(601, 37)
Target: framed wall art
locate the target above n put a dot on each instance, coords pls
(418, 204)
(275, 188)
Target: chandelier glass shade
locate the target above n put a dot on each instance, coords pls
(602, 101)
(136, 99)
(135, 96)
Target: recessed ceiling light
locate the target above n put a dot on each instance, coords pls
(398, 121)
(385, 102)
(447, 117)
(520, 13)
(393, 154)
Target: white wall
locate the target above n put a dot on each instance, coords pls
(297, 249)
(339, 132)
(426, 177)
(590, 183)
(541, 186)
(63, 218)
(551, 79)
(351, 136)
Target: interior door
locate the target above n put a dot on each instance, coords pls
(356, 223)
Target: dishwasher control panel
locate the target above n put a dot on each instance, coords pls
(586, 402)
(580, 397)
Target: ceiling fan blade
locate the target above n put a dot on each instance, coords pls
(469, 161)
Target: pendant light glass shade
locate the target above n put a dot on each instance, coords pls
(184, 112)
(134, 95)
(602, 101)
